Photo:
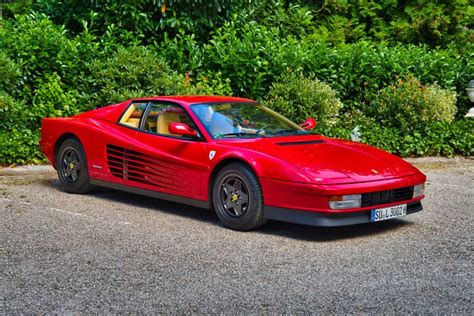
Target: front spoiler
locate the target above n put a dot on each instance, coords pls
(326, 219)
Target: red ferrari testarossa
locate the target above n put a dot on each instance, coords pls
(234, 155)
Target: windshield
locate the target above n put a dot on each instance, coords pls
(243, 120)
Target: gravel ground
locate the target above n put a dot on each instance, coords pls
(117, 252)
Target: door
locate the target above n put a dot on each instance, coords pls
(161, 161)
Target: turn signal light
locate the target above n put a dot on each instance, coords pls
(418, 190)
(340, 202)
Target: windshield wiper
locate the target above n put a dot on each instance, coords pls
(239, 134)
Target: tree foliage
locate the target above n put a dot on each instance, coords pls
(435, 23)
(337, 60)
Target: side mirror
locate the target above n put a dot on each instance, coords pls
(308, 124)
(181, 129)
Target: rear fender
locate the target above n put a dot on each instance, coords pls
(92, 134)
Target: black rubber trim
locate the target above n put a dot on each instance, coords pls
(324, 219)
(306, 142)
(150, 193)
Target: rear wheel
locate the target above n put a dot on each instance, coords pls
(237, 198)
(71, 164)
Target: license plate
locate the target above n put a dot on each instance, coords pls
(382, 214)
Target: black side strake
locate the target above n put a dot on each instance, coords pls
(306, 142)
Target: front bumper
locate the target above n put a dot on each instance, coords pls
(314, 197)
(326, 219)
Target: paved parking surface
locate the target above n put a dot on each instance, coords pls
(117, 252)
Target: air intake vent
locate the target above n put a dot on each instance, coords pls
(389, 196)
(305, 142)
(135, 166)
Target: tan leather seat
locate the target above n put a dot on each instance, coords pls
(164, 120)
(133, 122)
(131, 117)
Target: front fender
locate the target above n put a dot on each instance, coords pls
(264, 166)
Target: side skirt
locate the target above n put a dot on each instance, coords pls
(153, 194)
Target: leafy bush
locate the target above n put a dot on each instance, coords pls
(209, 83)
(358, 71)
(435, 23)
(19, 147)
(19, 144)
(10, 73)
(148, 20)
(243, 53)
(299, 97)
(39, 47)
(9, 109)
(252, 56)
(51, 99)
(132, 72)
(236, 47)
(409, 105)
(433, 139)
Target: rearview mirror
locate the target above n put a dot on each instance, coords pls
(308, 124)
(181, 129)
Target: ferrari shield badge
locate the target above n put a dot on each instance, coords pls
(212, 153)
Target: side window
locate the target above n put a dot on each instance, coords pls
(132, 116)
(160, 115)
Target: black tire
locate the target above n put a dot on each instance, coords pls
(71, 164)
(237, 198)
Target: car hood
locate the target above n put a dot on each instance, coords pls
(332, 161)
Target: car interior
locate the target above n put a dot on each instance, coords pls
(132, 116)
(157, 120)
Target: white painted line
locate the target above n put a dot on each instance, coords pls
(64, 211)
(54, 209)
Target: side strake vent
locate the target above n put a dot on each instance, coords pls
(306, 142)
(135, 166)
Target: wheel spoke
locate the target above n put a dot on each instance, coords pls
(74, 157)
(227, 189)
(238, 209)
(74, 174)
(228, 202)
(238, 185)
(244, 198)
(64, 165)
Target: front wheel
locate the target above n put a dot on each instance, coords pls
(71, 164)
(237, 198)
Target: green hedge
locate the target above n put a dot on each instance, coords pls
(300, 97)
(47, 70)
(253, 56)
(434, 139)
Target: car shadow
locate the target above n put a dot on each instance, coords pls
(191, 212)
(275, 228)
(326, 234)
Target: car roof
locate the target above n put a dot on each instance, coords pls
(188, 100)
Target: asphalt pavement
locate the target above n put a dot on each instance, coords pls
(115, 252)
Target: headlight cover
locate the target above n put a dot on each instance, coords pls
(340, 202)
(418, 190)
